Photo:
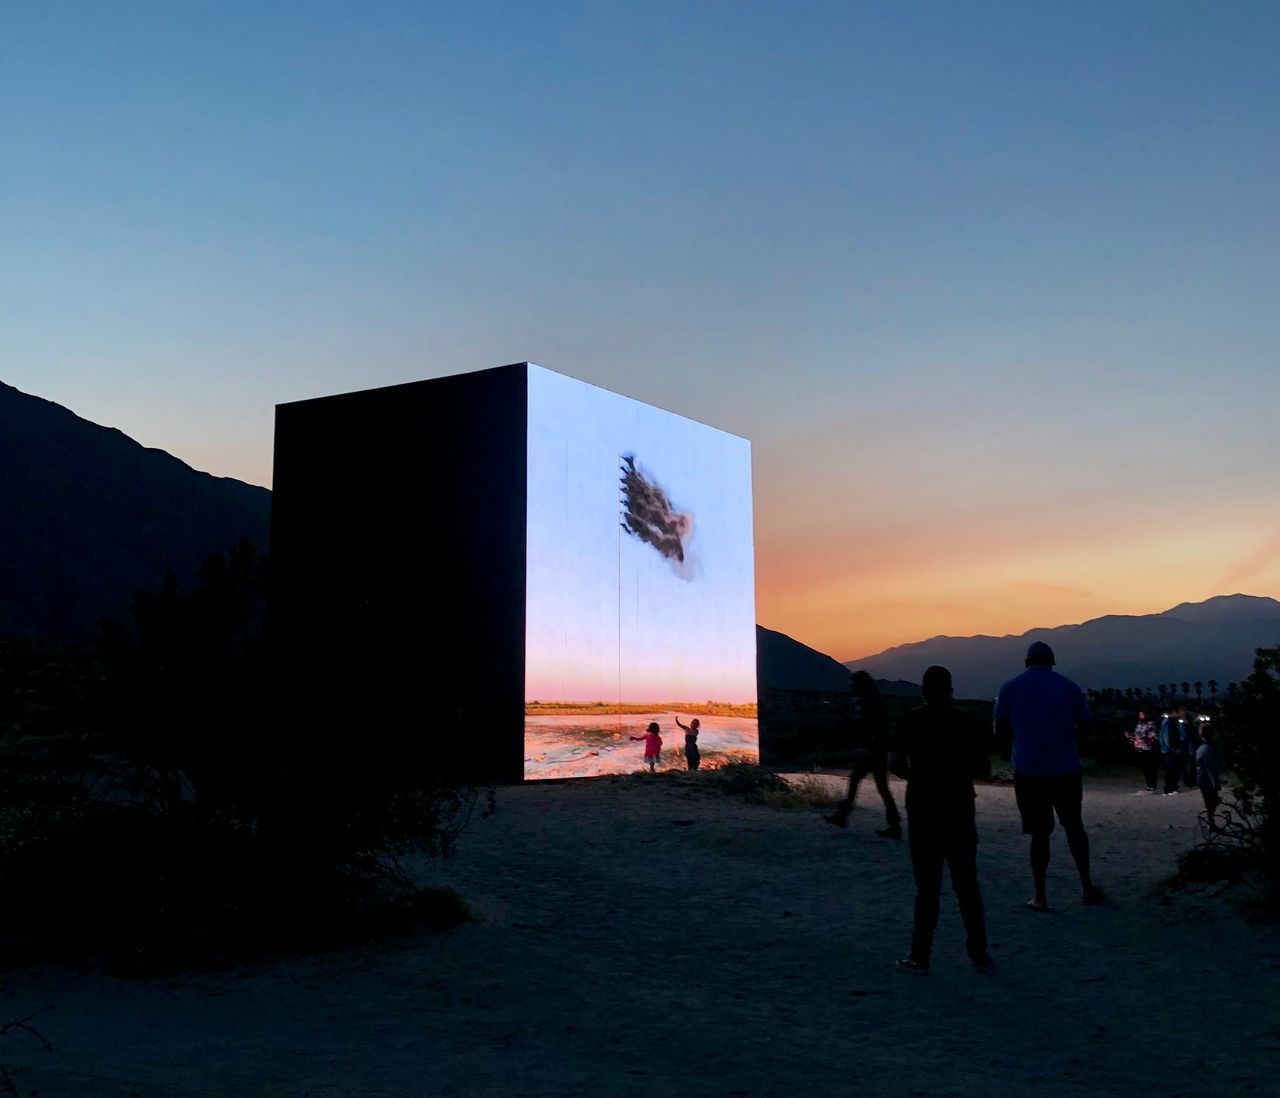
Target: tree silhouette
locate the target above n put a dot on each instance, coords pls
(1252, 751)
(1213, 689)
(1199, 689)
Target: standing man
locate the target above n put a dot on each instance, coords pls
(1173, 731)
(1037, 716)
(940, 751)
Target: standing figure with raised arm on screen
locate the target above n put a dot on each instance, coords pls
(691, 753)
(872, 757)
(940, 750)
(652, 746)
(1037, 717)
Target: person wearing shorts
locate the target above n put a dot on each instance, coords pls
(1038, 715)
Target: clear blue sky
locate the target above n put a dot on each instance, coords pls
(910, 250)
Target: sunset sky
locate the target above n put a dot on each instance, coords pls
(993, 289)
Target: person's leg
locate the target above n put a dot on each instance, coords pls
(1172, 763)
(926, 867)
(1150, 768)
(1211, 801)
(893, 821)
(1035, 806)
(1069, 805)
(962, 860)
(861, 768)
(1040, 869)
(1189, 771)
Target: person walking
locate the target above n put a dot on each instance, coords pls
(1038, 715)
(939, 751)
(871, 757)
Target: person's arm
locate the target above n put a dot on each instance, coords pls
(681, 723)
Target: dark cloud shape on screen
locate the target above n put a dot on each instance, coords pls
(649, 515)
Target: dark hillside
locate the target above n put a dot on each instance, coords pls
(88, 517)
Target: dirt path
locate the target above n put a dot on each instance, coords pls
(635, 938)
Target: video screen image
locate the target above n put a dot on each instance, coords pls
(640, 599)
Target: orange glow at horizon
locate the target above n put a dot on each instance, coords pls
(854, 592)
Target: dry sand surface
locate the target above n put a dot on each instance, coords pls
(638, 937)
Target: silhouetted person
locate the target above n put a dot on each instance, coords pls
(652, 746)
(939, 750)
(1208, 774)
(1190, 744)
(691, 753)
(1173, 731)
(1037, 716)
(1146, 742)
(871, 757)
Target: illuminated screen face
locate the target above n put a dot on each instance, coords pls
(640, 600)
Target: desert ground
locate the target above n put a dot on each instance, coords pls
(643, 936)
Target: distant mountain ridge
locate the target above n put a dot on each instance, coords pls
(88, 516)
(1194, 641)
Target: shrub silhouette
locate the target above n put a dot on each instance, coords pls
(184, 828)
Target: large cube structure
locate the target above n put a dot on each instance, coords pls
(509, 574)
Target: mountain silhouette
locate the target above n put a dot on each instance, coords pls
(89, 516)
(783, 663)
(1194, 641)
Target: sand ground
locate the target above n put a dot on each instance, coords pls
(634, 937)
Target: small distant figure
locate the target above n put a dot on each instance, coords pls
(1145, 739)
(1190, 745)
(652, 746)
(1173, 735)
(691, 753)
(872, 757)
(1038, 715)
(940, 751)
(1208, 774)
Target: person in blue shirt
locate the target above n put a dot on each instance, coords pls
(1038, 715)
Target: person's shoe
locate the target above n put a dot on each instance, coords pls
(1093, 895)
(1039, 905)
(889, 832)
(1171, 792)
(909, 964)
(982, 961)
(836, 819)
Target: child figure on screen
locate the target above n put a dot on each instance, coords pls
(652, 746)
(691, 753)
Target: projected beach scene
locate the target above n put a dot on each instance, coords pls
(640, 598)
